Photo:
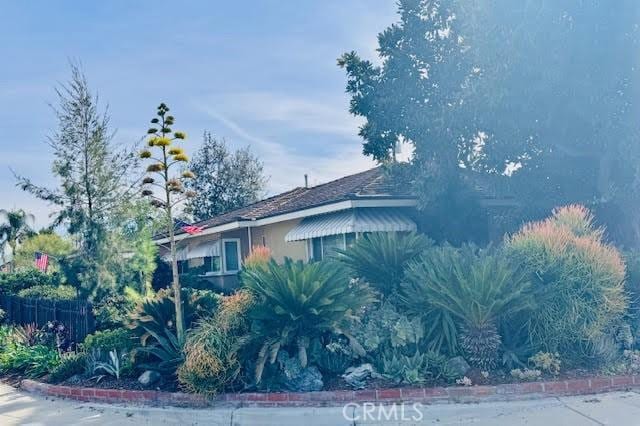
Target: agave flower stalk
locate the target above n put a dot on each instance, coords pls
(169, 183)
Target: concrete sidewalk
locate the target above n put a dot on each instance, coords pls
(616, 408)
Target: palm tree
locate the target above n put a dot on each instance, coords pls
(15, 227)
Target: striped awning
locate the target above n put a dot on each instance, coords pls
(203, 249)
(353, 220)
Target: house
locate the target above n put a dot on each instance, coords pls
(306, 223)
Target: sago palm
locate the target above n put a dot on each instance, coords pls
(296, 302)
(380, 258)
(474, 287)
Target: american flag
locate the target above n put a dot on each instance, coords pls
(189, 228)
(42, 261)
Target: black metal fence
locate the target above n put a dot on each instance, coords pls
(76, 315)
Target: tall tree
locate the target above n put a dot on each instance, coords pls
(563, 76)
(164, 175)
(94, 175)
(421, 95)
(15, 227)
(225, 180)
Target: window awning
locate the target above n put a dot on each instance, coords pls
(354, 220)
(204, 249)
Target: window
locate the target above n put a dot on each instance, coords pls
(231, 253)
(183, 266)
(316, 249)
(211, 264)
(321, 247)
(349, 239)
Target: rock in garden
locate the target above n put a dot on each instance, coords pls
(149, 377)
(296, 378)
(309, 379)
(357, 377)
(458, 366)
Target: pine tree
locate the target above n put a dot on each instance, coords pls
(225, 180)
(94, 175)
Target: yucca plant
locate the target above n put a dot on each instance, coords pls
(296, 302)
(476, 288)
(380, 258)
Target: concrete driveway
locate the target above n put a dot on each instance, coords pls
(616, 408)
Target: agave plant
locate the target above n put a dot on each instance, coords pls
(474, 287)
(111, 367)
(153, 321)
(297, 302)
(380, 258)
(153, 315)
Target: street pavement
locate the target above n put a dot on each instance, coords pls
(616, 408)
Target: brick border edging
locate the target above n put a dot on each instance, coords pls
(452, 394)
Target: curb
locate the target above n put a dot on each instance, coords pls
(436, 395)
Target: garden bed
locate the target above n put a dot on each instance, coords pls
(452, 394)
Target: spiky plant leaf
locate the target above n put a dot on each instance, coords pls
(380, 258)
(296, 302)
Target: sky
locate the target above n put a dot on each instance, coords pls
(258, 73)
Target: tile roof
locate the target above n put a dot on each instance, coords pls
(372, 183)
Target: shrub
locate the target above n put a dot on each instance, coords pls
(32, 361)
(526, 374)
(578, 283)
(211, 351)
(14, 282)
(112, 311)
(296, 302)
(477, 288)
(546, 362)
(70, 365)
(258, 258)
(49, 292)
(120, 338)
(380, 258)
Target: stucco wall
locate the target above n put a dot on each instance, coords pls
(273, 237)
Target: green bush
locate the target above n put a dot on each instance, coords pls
(475, 287)
(49, 292)
(380, 258)
(70, 365)
(32, 361)
(211, 351)
(112, 311)
(297, 302)
(14, 282)
(120, 338)
(578, 282)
